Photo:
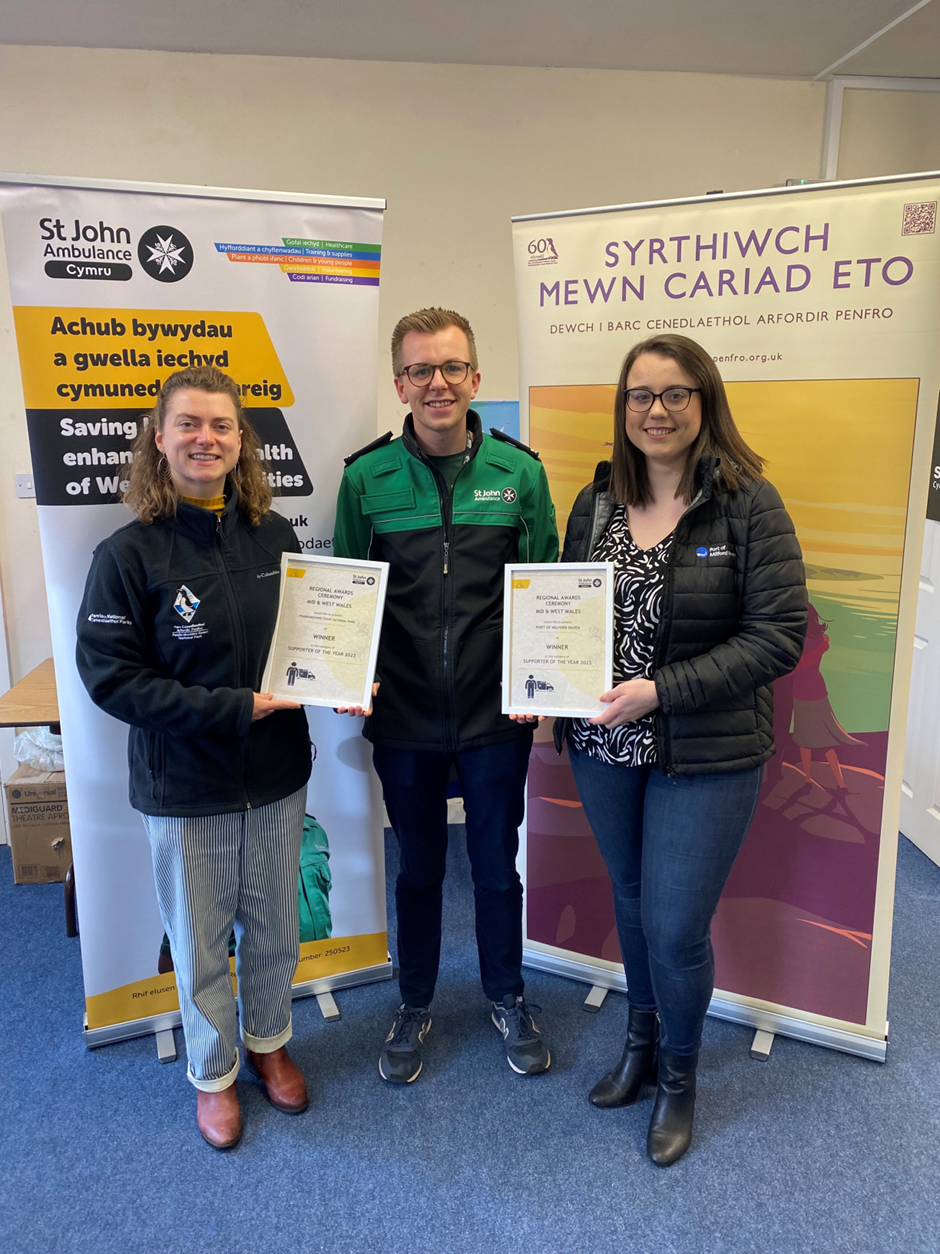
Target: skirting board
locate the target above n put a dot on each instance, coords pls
(750, 1016)
(94, 1037)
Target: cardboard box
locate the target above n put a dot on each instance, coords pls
(38, 814)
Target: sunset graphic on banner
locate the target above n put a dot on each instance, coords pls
(805, 881)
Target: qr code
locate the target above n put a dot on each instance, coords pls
(920, 219)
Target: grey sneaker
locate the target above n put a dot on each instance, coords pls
(526, 1051)
(400, 1061)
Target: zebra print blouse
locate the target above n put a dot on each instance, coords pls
(639, 577)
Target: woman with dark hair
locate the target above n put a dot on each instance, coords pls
(173, 634)
(709, 609)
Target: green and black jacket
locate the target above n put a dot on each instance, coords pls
(440, 656)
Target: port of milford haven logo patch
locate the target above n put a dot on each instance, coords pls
(186, 604)
(165, 253)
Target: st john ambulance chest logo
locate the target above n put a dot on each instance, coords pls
(509, 495)
(165, 253)
(186, 604)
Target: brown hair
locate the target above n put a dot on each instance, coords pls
(719, 437)
(428, 321)
(151, 493)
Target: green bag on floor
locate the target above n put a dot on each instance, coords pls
(313, 893)
(314, 882)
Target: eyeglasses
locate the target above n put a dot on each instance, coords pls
(422, 375)
(673, 399)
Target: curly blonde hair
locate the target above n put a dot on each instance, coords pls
(151, 494)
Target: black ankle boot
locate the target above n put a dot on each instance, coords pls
(670, 1133)
(637, 1065)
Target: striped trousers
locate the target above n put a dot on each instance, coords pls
(217, 873)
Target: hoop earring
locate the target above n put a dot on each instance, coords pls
(163, 468)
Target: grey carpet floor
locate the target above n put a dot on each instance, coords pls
(811, 1151)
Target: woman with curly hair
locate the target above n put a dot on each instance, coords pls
(173, 634)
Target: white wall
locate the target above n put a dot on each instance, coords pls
(456, 150)
(889, 132)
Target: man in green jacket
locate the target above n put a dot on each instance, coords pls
(447, 507)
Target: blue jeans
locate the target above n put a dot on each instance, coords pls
(492, 783)
(669, 844)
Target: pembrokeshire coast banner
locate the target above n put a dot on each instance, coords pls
(115, 286)
(821, 307)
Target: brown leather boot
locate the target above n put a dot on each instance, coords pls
(219, 1117)
(283, 1084)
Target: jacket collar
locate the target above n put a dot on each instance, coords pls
(706, 474)
(474, 426)
(203, 524)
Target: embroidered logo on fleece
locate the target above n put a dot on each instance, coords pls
(186, 604)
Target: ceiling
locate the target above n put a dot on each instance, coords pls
(782, 38)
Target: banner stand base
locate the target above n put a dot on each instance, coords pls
(328, 1007)
(874, 1049)
(595, 999)
(166, 1045)
(761, 1045)
(163, 1024)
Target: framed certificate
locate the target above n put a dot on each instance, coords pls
(558, 643)
(327, 634)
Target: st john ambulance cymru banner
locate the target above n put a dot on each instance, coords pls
(821, 307)
(114, 288)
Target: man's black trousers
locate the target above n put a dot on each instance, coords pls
(492, 781)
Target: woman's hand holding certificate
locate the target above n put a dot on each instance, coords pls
(627, 702)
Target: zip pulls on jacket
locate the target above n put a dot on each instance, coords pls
(659, 648)
(219, 535)
(447, 523)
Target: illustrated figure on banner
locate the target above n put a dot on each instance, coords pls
(815, 726)
(218, 770)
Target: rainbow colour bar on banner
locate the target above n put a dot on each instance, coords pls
(314, 260)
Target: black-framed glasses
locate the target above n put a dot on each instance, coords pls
(421, 374)
(674, 399)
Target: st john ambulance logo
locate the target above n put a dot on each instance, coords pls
(165, 253)
(186, 604)
(509, 495)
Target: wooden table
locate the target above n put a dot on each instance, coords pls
(34, 702)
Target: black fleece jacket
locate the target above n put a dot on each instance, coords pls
(173, 635)
(733, 619)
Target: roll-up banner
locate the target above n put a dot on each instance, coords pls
(114, 286)
(821, 307)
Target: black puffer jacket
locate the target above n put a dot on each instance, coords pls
(733, 619)
(173, 634)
